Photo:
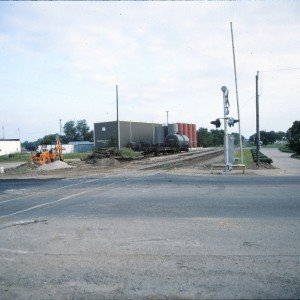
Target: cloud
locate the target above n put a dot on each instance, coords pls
(163, 55)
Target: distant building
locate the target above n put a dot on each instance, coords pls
(106, 133)
(10, 146)
(82, 146)
(76, 146)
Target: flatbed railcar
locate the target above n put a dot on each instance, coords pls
(174, 143)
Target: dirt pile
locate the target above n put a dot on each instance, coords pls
(54, 166)
(101, 154)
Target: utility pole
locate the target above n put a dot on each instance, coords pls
(167, 117)
(118, 123)
(60, 127)
(257, 121)
(237, 97)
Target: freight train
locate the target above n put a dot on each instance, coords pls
(173, 143)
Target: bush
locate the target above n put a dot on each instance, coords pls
(128, 153)
(285, 148)
(262, 157)
(15, 157)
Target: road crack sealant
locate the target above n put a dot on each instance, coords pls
(23, 223)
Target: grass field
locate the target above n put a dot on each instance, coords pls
(246, 155)
(26, 156)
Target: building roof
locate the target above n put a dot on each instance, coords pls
(81, 143)
(9, 140)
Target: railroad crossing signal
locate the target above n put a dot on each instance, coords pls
(217, 123)
(231, 121)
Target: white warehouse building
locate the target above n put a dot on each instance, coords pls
(10, 146)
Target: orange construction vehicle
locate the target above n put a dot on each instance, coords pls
(47, 156)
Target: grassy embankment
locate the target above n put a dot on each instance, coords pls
(25, 156)
(246, 155)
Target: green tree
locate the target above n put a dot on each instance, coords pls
(77, 131)
(204, 138)
(214, 138)
(49, 139)
(294, 137)
(295, 144)
(30, 146)
(83, 131)
(217, 137)
(70, 131)
(294, 130)
(280, 135)
(237, 138)
(268, 137)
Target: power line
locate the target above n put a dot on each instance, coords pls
(281, 70)
(245, 103)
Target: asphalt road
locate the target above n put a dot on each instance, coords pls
(283, 161)
(156, 236)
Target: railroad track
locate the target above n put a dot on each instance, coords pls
(182, 159)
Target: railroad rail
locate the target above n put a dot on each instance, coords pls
(169, 162)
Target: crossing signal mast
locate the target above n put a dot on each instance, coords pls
(227, 121)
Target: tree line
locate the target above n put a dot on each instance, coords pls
(80, 131)
(269, 137)
(293, 135)
(72, 131)
(215, 137)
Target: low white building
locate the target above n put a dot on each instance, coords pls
(78, 146)
(10, 146)
(65, 148)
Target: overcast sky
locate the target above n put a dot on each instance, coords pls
(63, 60)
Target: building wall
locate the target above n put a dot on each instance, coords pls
(82, 146)
(137, 132)
(10, 146)
(106, 132)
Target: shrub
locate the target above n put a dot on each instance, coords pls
(262, 157)
(295, 144)
(129, 153)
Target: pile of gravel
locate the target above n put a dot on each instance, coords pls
(54, 166)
